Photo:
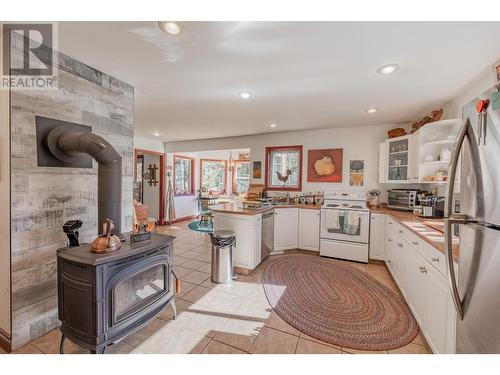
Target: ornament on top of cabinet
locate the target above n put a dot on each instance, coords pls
(396, 132)
(434, 116)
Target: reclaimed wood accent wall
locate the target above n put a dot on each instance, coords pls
(44, 198)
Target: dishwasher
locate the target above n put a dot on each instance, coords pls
(267, 242)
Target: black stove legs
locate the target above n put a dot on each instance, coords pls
(61, 346)
(98, 350)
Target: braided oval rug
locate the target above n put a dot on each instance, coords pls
(337, 303)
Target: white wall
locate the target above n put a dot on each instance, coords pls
(357, 142)
(5, 317)
(148, 144)
(484, 81)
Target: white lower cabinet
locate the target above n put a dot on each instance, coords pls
(377, 236)
(417, 269)
(440, 314)
(247, 228)
(309, 228)
(416, 284)
(286, 224)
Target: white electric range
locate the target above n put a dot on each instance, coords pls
(345, 226)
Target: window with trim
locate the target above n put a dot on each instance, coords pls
(183, 175)
(241, 176)
(281, 162)
(213, 175)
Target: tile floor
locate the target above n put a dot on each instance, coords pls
(220, 319)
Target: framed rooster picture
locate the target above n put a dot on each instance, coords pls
(325, 165)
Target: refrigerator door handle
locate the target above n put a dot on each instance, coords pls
(452, 279)
(466, 130)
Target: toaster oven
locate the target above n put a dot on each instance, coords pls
(402, 199)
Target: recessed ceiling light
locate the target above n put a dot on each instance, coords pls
(245, 94)
(169, 27)
(272, 125)
(156, 134)
(371, 110)
(387, 69)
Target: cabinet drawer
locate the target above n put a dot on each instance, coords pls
(391, 225)
(437, 259)
(418, 244)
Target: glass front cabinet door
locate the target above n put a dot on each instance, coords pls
(400, 159)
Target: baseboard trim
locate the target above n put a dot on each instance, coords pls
(184, 218)
(242, 271)
(5, 342)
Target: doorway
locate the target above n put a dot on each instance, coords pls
(149, 183)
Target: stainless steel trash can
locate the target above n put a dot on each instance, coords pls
(222, 256)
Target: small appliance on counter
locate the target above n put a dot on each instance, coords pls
(432, 207)
(373, 198)
(402, 199)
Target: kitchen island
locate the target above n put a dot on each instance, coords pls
(295, 226)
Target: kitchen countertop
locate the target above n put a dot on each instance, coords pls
(237, 208)
(425, 228)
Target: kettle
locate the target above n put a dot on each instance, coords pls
(106, 242)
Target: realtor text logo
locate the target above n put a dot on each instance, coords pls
(29, 57)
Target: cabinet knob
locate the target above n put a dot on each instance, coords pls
(400, 244)
(400, 232)
(423, 270)
(415, 243)
(435, 259)
(389, 239)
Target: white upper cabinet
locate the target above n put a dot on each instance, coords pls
(400, 160)
(422, 157)
(436, 141)
(286, 223)
(309, 229)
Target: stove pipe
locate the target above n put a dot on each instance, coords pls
(109, 177)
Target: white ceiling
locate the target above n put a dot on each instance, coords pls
(304, 75)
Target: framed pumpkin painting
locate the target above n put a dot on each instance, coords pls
(325, 165)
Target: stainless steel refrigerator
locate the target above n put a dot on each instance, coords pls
(475, 286)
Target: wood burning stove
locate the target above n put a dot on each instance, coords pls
(105, 297)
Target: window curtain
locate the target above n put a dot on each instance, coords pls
(169, 198)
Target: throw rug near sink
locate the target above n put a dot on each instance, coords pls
(337, 303)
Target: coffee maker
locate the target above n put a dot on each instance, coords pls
(432, 207)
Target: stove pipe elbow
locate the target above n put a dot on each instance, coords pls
(109, 177)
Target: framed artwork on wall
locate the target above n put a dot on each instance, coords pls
(325, 165)
(356, 172)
